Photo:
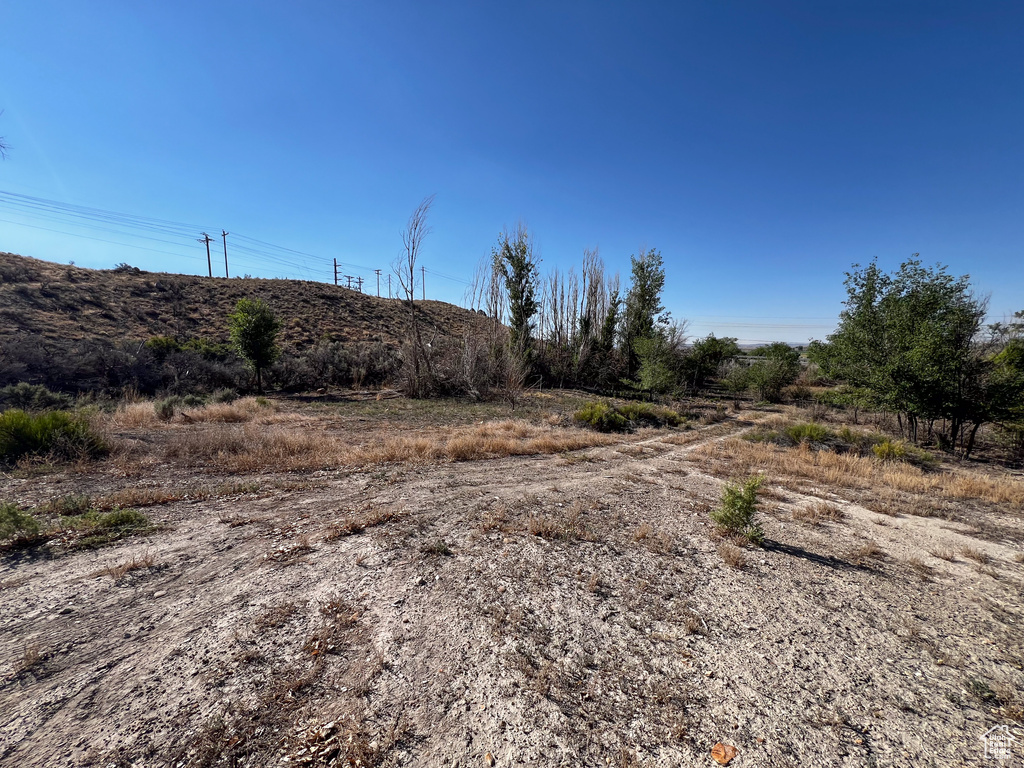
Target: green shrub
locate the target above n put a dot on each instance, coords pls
(68, 506)
(898, 450)
(56, 434)
(601, 417)
(32, 397)
(166, 408)
(651, 415)
(16, 524)
(122, 518)
(193, 401)
(224, 396)
(739, 510)
(810, 432)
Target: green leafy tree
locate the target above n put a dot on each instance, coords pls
(706, 358)
(254, 330)
(517, 264)
(644, 314)
(912, 339)
(777, 368)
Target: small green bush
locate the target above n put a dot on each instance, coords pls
(601, 417)
(224, 396)
(57, 434)
(122, 518)
(651, 415)
(32, 397)
(166, 408)
(193, 401)
(898, 450)
(17, 524)
(738, 512)
(607, 418)
(68, 506)
(810, 432)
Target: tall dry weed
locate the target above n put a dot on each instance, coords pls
(850, 471)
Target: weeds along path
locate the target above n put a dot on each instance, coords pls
(548, 610)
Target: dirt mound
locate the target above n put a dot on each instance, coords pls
(57, 301)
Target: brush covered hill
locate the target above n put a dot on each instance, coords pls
(57, 302)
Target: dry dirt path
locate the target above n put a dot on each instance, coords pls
(271, 630)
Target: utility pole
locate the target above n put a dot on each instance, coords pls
(225, 236)
(349, 279)
(423, 281)
(378, 282)
(389, 285)
(206, 239)
(359, 282)
(335, 271)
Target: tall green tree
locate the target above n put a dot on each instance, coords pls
(515, 260)
(645, 316)
(911, 338)
(705, 358)
(254, 329)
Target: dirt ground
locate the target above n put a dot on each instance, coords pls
(565, 609)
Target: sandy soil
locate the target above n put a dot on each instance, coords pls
(410, 615)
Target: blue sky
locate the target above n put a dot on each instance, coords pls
(762, 147)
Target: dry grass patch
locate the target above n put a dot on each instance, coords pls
(818, 513)
(139, 496)
(850, 471)
(975, 554)
(252, 446)
(137, 563)
(943, 553)
(865, 552)
(732, 555)
(562, 524)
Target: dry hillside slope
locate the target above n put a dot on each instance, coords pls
(57, 301)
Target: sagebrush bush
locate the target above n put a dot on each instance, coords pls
(608, 418)
(165, 408)
(32, 397)
(17, 524)
(601, 417)
(738, 513)
(810, 432)
(898, 450)
(56, 434)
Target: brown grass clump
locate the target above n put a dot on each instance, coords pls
(817, 513)
(869, 550)
(133, 416)
(732, 555)
(139, 496)
(240, 411)
(943, 553)
(975, 554)
(564, 524)
(137, 563)
(851, 471)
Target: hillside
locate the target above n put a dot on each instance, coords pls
(57, 301)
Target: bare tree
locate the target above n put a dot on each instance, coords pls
(405, 267)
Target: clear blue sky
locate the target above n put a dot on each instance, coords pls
(762, 147)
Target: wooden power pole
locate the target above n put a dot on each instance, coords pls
(378, 282)
(207, 239)
(423, 282)
(224, 234)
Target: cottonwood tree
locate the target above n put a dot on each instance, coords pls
(405, 267)
(912, 339)
(254, 329)
(644, 314)
(516, 262)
